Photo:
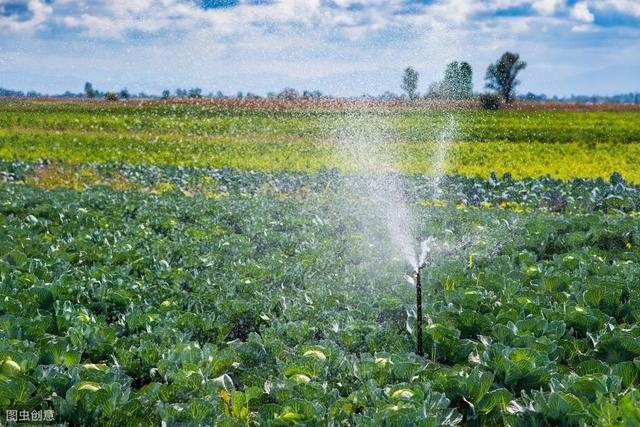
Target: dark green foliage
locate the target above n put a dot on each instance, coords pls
(89, 91)
(575, 196)
(502, 76)
(458, 80)
(136, 309)
(410, 82)
(195, 93)
(490, 101)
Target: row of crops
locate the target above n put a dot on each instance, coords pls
(562, 144)
(615, 194)
(204, 265)
(273, 306)
(409, 124)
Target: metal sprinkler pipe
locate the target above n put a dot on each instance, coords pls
(419, 343)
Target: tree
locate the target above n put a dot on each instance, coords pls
(458, 81)
(124, 94)
(11, 93)
(389, 96)
(166, 94)
(410, 82)
(436, 90)
(289, 94)
(502, 76)
(111, 96)
(311, 94)
(89, 90)
(196, 92)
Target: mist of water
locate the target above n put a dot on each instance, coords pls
(443, 141)
(366, 143)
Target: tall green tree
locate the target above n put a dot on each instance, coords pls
(410, 82)
(502, 76)
(458, 80)
(89, 90)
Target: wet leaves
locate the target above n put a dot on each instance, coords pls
(254, 309)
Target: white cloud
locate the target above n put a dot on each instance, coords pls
(460, 11)
(583, 28)
(302, 43)
(581, 12)
(39, 14)
(547, 7)
(116, 19)
(626, 7)
(119, 17)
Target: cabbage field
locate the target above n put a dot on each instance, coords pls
(202, 264)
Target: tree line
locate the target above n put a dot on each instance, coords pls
(457, 84)
(501, 79)
(197, 93)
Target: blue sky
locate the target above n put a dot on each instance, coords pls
(341, 47)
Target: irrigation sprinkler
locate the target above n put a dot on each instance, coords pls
(419, 344)
(427, 246)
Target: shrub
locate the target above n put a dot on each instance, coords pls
(489, 101)
(111, 96)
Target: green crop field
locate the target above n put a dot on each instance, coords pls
(203, 264)
(563, 144)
